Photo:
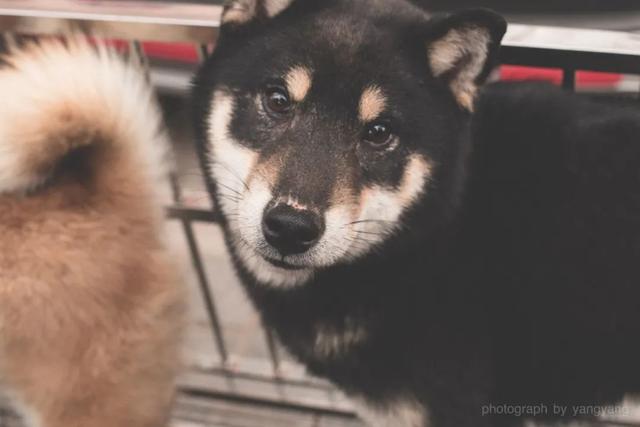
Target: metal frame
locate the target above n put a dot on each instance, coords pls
(199, 24)
(141, 20)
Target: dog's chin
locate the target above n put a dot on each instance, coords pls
(271, 271)
(284, 264)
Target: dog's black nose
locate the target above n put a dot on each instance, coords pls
(291, 231)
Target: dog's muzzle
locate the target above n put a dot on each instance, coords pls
(292, 231)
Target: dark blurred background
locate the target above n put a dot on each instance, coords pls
(538, 6)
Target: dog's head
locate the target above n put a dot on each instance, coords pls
(326, 125)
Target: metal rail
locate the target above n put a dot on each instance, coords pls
(572, 50)
(199, 24)
(141, 20)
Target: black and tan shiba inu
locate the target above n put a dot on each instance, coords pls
(90, 304)
(434, 248)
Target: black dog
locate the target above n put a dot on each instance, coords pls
(435, 249)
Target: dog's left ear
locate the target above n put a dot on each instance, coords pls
(463, 49)
(239, 12)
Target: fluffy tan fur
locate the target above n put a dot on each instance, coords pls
(90, 312)
(372, 104)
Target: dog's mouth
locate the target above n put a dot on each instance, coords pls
(284, 265)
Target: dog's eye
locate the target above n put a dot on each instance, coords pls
(379, 135)
(277, 100)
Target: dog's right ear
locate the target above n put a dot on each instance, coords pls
(239, 12)
(462, 50)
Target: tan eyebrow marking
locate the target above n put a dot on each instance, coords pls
(298, 82)
(372, 104)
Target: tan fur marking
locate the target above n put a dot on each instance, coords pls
(275, 7)
(91, 307)
(243, 11)
(379, 208)
(466, 96)
(372, 104)
(299, 80)
(416, 174)
(399, 412)
(240, 11)
(445, 53)
(332, 341)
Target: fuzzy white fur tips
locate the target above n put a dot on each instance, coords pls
(59, 97)
(243, 11)
(399, 412)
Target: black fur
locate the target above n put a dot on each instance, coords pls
(516, 279)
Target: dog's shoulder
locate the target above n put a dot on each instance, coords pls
(522, 129)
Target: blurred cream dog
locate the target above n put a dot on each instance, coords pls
(90, 307)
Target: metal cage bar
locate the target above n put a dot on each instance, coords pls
(569, 79)
(194, 250)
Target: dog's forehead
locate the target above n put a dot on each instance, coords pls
(353, 70)
(333, 36)
(352, 39)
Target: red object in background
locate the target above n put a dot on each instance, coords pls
(188, 53)
(583, 78)
(119, 45)
(182, 52)
(185, 52)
